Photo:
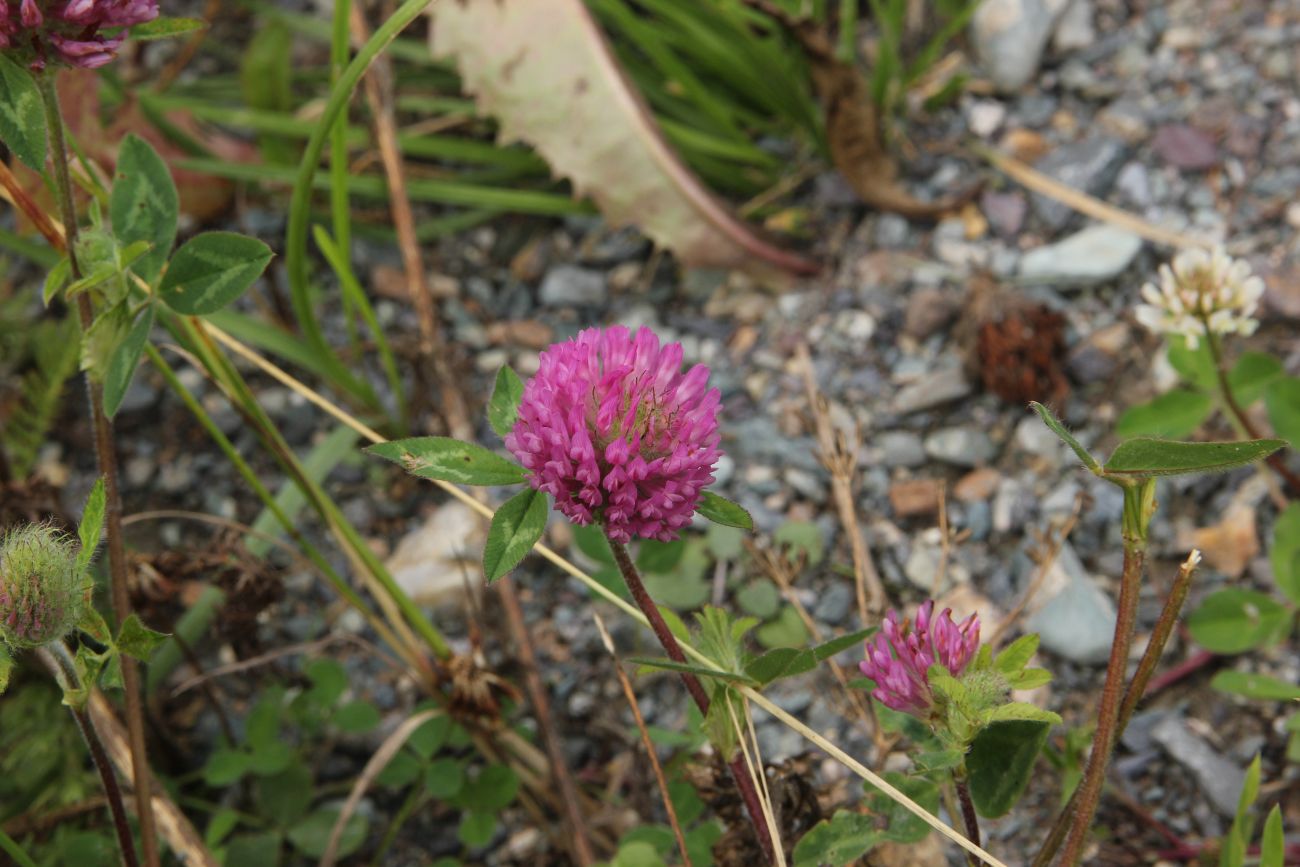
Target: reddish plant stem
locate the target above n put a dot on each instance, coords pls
(1103, 741)
(1136, 691)
(107, 458)
(968, 814)
(739, 772)
(1275, 460)
(61, 667)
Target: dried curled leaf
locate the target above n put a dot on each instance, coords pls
(545, 72)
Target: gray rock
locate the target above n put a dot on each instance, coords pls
(1089, 165)
(931, 390)
(1078, 623)
(1219, 778)
(892, 230)
(1004, 211)
(1094, 255)
(1036, 438)
(567, 285)
(834, 605)
(961, 446)
(1009, 37)
(901, 448)
(1074, 30)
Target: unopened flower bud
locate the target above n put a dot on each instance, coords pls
(41, 593)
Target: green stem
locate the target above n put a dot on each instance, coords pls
(299, 206)
(11, 848)
(106, 455)
(1237, 414)
(60, 664)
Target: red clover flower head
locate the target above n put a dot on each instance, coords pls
(41, 594)
(901, 654)
(69, 32)
(617, 434)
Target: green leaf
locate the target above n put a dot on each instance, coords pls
(1054, 424)
(166, 28)
(124, 360)
(283, 797)
(22, 115)
(1174, 414)
(1259, 686)
(503, 407)
(759, 598)
(1145, 457)
(779, 663)
(834, 842)
(1016, 655)
(1272, 848)
(1194, 365)
(1253, 373)
(1019, 711)
(224, 767)
(402, 771)
(905, 826)
(720, 510)
(211, 270)
(144, 205)
(802, 538)
(1000, 761)
(591, 541)
(516, 527)
(1285, 553)
(659, 557)
(724, 543)
(92, 523)
(430, 737)
(687, 668)
(137, 640)
(1234, 621)
(1283, 403)
(445, 778)
(491, 791)
(6, 668)
(1030, 678)
(260, 849)
(56, 279)
(311, 836)
(329, 680)
(476, 829)
(450, 460)
(219, 828)
(356, 717)
(828, 649)
(102, 340)
(272, 759)
(787, 630)
(938, 760)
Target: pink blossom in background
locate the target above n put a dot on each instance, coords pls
(901, 653)
(69, 32)
(614, 430)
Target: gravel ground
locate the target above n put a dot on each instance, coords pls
(1185, 114)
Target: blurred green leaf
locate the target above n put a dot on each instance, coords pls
(22, 114)
(1251, 376)
(1174, 414)
(503, 407)
(312, 835)
(787, 630)
(1260, 686)
(759, 598)
(1285, 552)
(445, 778)
(839, 840)
(1234, 621)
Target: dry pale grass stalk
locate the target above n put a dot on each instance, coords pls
(840, 457)
(660, 780)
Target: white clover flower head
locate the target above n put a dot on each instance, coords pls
(1202, 289)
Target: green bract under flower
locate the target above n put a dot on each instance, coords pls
(42, 594)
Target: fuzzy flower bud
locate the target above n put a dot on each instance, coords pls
(1202, 289)
(82, 33)
(41, 593)
(612, 428)
(900, 656)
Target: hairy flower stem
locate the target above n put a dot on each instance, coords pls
(1137, 688)
(56, 659)
(107, 457)
(1103, 740)
(967, 811)
(744, 782)
(1238, 413)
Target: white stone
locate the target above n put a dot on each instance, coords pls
(1094, 255)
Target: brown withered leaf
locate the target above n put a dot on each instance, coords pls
(853, 129)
